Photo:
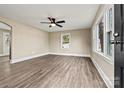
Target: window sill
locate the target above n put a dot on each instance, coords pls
(106, 58)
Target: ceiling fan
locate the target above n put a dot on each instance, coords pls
(53, 22)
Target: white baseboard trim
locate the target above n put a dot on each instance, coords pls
(69, 54)
(38, 55)
(27, 58)
(103, 75)
(4, 55)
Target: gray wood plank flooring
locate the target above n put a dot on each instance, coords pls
(51, 71)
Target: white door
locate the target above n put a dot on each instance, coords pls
(6, 43)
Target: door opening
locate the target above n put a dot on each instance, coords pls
(5, 42)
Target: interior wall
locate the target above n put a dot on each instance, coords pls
(26, 40)
(104, 64)
(80, 42)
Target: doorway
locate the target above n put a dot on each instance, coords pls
(5, 42)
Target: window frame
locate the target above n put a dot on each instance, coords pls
(97, 34)
(110, 30)
(95, 28)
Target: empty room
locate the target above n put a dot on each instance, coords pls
(56, 46)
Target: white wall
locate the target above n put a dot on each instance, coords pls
(80, 42)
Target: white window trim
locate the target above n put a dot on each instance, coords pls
(104, 54)
(112, 56)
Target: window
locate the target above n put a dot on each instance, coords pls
(100, 35)
(109, 46)
(109, 29)
(65, 40)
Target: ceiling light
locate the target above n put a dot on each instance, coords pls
(53, 24)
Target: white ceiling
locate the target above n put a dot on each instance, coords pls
(77, 16)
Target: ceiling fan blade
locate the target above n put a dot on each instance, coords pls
(45, 22)
(50, 18)
(60, 21)
(59, 25)
(53, 20)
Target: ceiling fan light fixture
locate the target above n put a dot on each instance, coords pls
(53, 24)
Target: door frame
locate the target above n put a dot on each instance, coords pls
(10, 49)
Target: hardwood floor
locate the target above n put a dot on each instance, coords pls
(51, 71)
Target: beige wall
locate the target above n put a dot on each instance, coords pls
(26, 40)
(80, 42)
(105, 64)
